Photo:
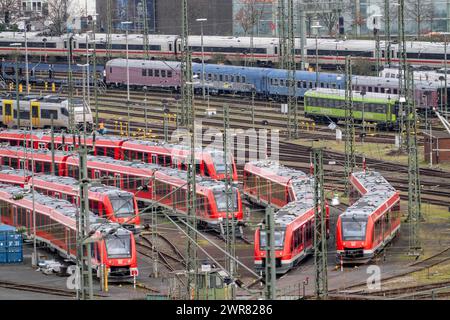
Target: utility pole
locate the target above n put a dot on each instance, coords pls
(403, 71)
(282, 34)
(109, 28)
(289, 60)
(350, 160)
(269, 229)
(302, 36)
(445, 70)
(320, 232)
(188, 120)
(85, 288)
(145, 31)
(52, 145)
(231, 233)
(376, 34)
(387, 33)
(17, 90)
(70, 87)
(414, 198)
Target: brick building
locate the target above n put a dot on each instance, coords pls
(439, 145)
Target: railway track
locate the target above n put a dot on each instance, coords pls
(147, 248)
(360, 287)
(40, 289)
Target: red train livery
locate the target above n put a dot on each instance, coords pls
(367, 226)
(140, 179)
(269, 183)
(105, 201)
(210, 163)
(56, 228)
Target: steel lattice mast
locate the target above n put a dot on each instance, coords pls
(350, 160)
(320, 234)
(403, 70)
(188, 120)
(282, 46)
(290, 63)
(109, 29)
(414, 198)
(145, 30)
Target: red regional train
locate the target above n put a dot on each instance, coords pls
(105, 201)
(210, 163)
(372, 221)
(140, 179)
(290, 191)
(113, 247)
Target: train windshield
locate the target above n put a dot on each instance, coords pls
(221, 200)
(354, 229)
(279, 240)
(118, 246)
(122, 205)
(219, 162)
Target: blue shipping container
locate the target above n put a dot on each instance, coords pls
(10, 245)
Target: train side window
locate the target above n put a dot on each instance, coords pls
(161, 160)
(215, 77)
(110, 70)
(144, 72)
(149, 72)
(369, 89)
(38, 166)
(376, 89)
(276, 50)
(156, 73)
(169, 73)
(243, 79)
(163, 73)
(209, 76)
(238, 79)
(382, 90)
(226, 78)
(170, 47)
(232, 78)
(281, 83)
(220, 77)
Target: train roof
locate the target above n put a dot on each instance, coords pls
(290, 212)
(356, 94)
(379, 81)
(378, 192)
(162, 144)
(151, 64)
(180, 174)
(277, 169)
(62, 206)
(65, 208)
(304, 191)
(34, 151)
(96, 187)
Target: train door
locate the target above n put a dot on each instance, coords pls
(35, 113)
(7, 111)
(117, 180)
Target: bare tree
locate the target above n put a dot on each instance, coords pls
(248, 17)
(8, 8)
(58, 14)
(420, 11)
(329, 19)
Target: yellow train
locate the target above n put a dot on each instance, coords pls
(37, 112)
